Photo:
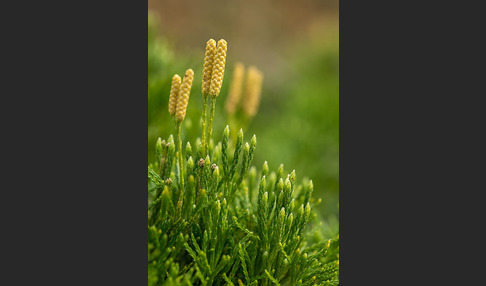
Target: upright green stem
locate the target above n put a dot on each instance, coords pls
(178, 126)
(204, 115)
(210, 129)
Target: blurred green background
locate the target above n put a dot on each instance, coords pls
(296, 46)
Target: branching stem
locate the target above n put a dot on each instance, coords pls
(210, 127)
(204, 116)
(181, 165)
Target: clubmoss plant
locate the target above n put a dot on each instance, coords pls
(217, 220)
(206, 84)
(178, 100)
(213, 73)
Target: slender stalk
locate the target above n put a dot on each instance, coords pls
(179, 144)
(204, 116)
(210, 127)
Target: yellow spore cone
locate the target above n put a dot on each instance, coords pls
(183, 99)
(218, 69)
(174, 94)
(208, 66)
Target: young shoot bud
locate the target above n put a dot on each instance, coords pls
(290, 219)
(265, 168)
(239, 138)
(226, 133)
(280, 171)
(310, 189)
(158, 149)
(280, 198)
(281, 215)
(246, 150)
(190, 182)
(301, 211)
(190, 164)
(188, 149)
(245, 163)
(280, 185)
(171, 146)
(307, 211)
(207, 162)
(292, 177)
(218, 206)
(262, 185)
(215, 171)
(288, 186)
(253, 141)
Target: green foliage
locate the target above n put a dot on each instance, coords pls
(231, 224)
